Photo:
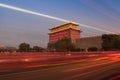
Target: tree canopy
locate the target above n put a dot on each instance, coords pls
(37, 49)
(24, 47)
(111, 42)
(64, 44)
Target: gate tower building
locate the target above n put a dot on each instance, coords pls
(68, 30)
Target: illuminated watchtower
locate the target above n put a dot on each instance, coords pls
(68, 30)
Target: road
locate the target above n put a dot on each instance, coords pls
(96, 69)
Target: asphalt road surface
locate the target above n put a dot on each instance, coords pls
(97, 69)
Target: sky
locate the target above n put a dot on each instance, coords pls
(17, 27)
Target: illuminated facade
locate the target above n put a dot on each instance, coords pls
(68, 30)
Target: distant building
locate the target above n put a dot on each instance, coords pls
(68, 30)
(2, 47)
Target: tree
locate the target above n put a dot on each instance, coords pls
(117, 44)
(111, 42)
(64, 44)
(11, 49)
(51, 47)
(37, 49)
(24, 47)
(92, 49)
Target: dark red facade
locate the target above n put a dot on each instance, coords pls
(59, 35)
(69, 30)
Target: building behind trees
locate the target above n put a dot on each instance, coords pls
(71, 31)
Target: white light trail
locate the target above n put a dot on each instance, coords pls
(31, 12)
(51, 17)
(95, 28)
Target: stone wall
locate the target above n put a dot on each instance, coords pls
(88, 42)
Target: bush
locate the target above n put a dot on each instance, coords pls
(92, 49)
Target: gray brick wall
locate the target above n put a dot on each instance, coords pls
(88, 42)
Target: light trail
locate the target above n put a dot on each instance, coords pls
(86, 74)
(95, 28)
(31, 12)
(51, 17)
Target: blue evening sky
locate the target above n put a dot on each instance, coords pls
(17, 27)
